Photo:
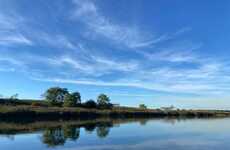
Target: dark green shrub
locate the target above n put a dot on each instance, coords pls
(104, 102)
(142, 106)
(55, 96)
(90, 104)
(69, 100)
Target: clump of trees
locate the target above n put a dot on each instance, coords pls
(103, 101)
(142, 106)
(90, 104)
(14, 97)
(72, 99)
(57, 96)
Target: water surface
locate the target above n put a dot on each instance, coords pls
(106, 134)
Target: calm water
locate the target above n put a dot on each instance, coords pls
(157, 134)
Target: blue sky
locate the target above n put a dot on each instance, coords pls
(157, 52)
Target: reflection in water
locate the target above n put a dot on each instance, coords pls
(71, 132)
(102, 131)
(58, 136)
(168, 134)
(89, 128)
(53, 137)
(143, 122)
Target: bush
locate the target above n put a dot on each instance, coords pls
(142, 106)
(103, 99)
(55, 96)
(36, 104)
(90, 104)
(69, 100)
(106, 106)
(77, 97)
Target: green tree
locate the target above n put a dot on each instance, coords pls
(72, 99)
(77, 96)
(69, 100)
(142, 106)
(14, 97)
(103, 100)
(90, 104)
(55, 95)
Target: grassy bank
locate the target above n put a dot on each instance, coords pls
(25, 112)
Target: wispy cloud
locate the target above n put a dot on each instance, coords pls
(95, 66)
(11, 39)
(10, 21)
(154, 62)
(130, 36)
(11, 60)
(175, 54)
(174, 80)
(10, 31)
(17, 30)
(53, 40)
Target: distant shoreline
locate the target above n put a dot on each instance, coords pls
(22, 110)
(28, 113)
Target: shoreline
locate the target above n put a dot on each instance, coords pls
(24, 113)
(13, 128)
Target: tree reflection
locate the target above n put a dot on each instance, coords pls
(71, 132)
(58, 136)
(53, 137)
(103, 130)
(90, 127)
(143, 122)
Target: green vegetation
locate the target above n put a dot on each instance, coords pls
(142, 106)
(14, 97)
(72, 99)
(90, 104)
(59, 103)
(55, 96)
(103, 99)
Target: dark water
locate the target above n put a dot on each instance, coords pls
(156, 134)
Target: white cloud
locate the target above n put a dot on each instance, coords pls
(95, 66)
(127, 35)
(11, 60)
(10, 31)
(208, 75)
(174, 54)
(174, 80)
(53, 40)
(14, 31)
(10, 22)
(10, 39)
(116, 65)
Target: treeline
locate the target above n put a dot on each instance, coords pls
(61, 97)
